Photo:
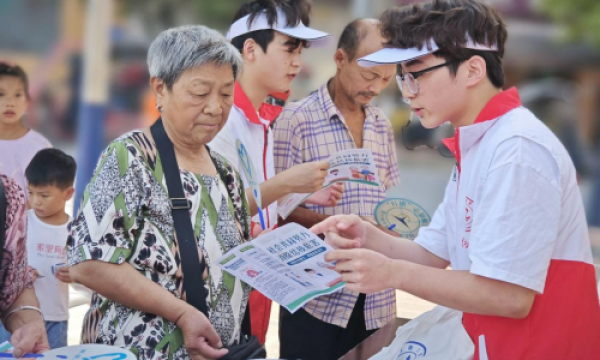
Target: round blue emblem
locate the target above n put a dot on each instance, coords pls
(402, 216)
(412, 350)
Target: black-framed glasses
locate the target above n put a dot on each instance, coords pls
(410, 78)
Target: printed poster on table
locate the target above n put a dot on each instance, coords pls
(353, 165)
(287, 265)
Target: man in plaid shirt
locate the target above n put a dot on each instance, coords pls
(337, 117)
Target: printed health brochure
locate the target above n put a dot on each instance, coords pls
(287, 265)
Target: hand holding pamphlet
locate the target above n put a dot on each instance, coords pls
(287, 265)
(353, 165)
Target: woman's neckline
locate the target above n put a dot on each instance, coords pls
(151, 141)
(202, 175)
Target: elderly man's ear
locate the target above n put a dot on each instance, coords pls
(340, 57)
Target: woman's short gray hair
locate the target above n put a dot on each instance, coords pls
(184, 47)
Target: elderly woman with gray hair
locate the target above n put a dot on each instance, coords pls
(122, 244)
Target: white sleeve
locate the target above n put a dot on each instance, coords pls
(515, 225)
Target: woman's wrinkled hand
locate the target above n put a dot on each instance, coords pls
(30, 338)
(200, 338)
(62, 274)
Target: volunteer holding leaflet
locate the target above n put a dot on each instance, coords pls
(270, 36)
(511, 225)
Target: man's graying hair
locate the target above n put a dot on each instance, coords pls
(181, 48)
(354, 33)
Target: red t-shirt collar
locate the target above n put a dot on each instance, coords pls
(242, 102)
(498, 105)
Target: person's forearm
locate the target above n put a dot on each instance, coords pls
(125, 285)
(304, 217)
(462, 290)
(20, 318)
(401, 249)
(371, 221)
(271, 190)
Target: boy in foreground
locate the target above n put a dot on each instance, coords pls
(50, 177)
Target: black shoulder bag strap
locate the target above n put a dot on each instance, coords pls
(3, 208)
(192, 267)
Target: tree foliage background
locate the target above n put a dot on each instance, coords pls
(581, 18)
(158, 15)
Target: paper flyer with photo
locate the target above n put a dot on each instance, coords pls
(287, 265)
(353, 165)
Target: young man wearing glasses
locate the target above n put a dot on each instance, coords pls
(339, 116)
(512, 224)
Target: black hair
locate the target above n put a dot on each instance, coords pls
(51, 167)
(351, 37)
(295, 11)
(7, 69)
(448, 23)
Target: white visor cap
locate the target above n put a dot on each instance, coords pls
(387, 56)
(299, 31)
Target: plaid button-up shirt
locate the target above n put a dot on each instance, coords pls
(313, 129)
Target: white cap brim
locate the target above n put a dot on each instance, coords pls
(387, 56)
(314, 37)
(300, 31)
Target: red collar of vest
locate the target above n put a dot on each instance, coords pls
(242, 102)
(270, 112)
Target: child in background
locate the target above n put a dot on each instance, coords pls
(50, 177)
(18, 143)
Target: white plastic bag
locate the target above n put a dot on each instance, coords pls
(435, 335)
